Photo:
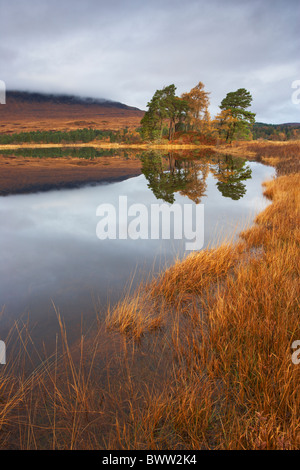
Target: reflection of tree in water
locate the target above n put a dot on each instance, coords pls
(167, 177)
(230, 173)
(196, 181)
(170, 174)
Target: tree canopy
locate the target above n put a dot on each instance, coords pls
(164, 106)
(234, 117)
(198, 102)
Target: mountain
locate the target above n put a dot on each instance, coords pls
(27, 97)
(25, 111)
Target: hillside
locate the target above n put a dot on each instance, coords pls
(26, 111)
(281, 132)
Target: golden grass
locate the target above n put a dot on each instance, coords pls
(197, 358)
(283, 155)
(233, 385)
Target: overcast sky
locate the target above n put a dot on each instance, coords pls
(124, 50)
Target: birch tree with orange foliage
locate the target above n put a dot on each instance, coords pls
(225, 123)
(198, 117)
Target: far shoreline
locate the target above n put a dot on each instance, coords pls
(23, 175)
(108, 145)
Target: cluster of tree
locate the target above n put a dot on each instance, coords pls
(279, 132)
(168, 113)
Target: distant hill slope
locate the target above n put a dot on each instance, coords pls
(287, 131)
(32, 111)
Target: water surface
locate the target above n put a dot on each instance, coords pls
(50, 252)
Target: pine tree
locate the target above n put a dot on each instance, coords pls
(234, 117)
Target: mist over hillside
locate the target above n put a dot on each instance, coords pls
(27, 111)
(35, 97)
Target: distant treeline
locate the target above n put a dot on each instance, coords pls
(69, 137)
(276, 131)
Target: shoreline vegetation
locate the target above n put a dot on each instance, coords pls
(27, 168)
(198, 357)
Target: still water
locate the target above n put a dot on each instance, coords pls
(50, 253)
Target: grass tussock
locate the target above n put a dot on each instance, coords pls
(135, 314)
(197, 358)
(285, 156)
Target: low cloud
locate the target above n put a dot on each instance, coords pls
(126, 50)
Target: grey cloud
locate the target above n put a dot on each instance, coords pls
(125, 50)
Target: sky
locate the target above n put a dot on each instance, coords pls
(124, 50)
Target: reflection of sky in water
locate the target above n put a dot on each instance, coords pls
(49, 248)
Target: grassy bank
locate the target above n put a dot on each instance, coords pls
(197, 358)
